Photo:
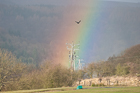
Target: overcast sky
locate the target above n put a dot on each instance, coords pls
(135, 1)
(59, 2)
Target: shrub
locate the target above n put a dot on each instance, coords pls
(95, 85)
(101, 84)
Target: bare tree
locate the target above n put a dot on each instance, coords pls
(10, 68)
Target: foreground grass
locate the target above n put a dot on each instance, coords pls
(41, 90)
(85, 90)
(105, 90)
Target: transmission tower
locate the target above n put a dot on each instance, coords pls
(72, 54)
(80, 65)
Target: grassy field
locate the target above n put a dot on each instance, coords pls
(105, 90)
(85, 90)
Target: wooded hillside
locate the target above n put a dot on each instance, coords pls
(30, 32)
(128, 63)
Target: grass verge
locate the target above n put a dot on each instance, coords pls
(84, 90)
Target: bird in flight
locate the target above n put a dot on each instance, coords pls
(78, 22)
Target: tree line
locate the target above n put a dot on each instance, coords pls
(16, 75)
(127, 63)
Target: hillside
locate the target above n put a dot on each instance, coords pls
(131, 55)
(30, 32)
(128, 61)
(24, 30)
(134, 51)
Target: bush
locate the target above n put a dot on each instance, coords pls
(95, 85)
(101, 84)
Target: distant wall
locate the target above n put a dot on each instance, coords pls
(115, 80)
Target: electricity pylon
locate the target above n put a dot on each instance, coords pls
(80, 65)
(72, 54)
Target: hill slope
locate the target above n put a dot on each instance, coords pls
(30, 32)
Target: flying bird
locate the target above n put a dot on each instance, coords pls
(78, 22)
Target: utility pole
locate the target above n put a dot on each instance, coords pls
(80, 64)
(72, 54)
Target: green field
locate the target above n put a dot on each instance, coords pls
(84, 90)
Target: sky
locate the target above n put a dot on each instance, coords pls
(134, 1)
(62, 2)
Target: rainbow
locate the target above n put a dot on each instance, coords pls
(86, 32)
